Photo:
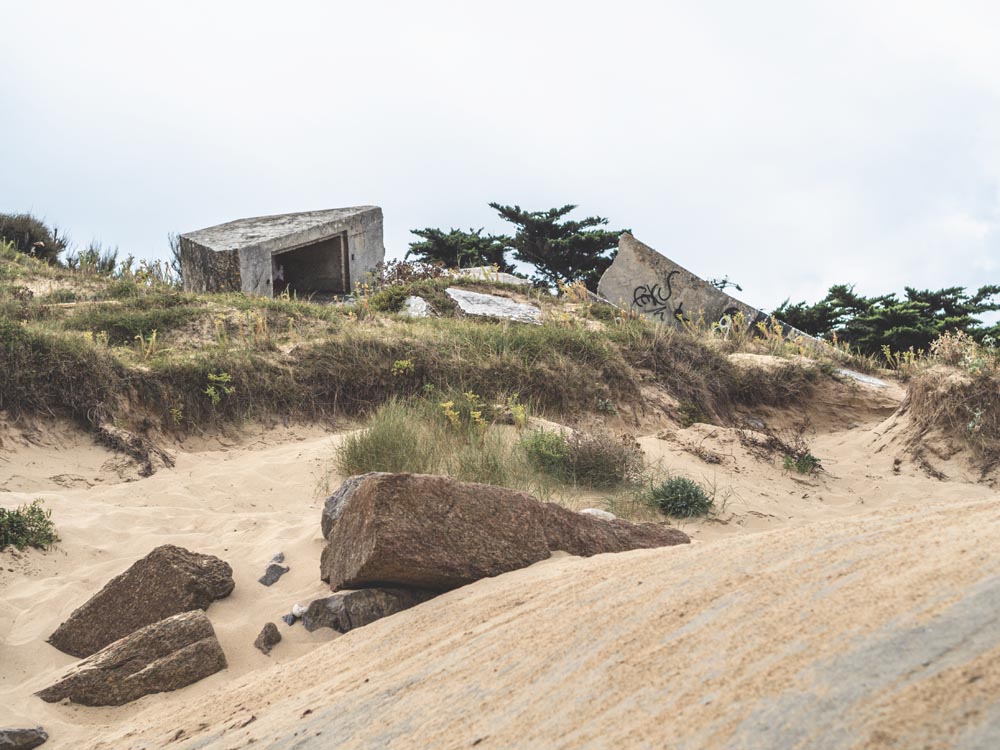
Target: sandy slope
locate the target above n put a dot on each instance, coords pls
(868, 613)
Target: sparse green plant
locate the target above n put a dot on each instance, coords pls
(402, 368)
(680, 497)
(27, 526)
(219, 385)
(606, 406)
(803, 463)
(146, 344)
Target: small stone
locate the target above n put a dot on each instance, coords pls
(273, 573)
(278, 558)
(290, 619)
(598, 513)
(268, 638)
(299, 609)
(22, 738)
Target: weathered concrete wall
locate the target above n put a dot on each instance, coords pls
(209, 270)
(641, 279)
(364, 243)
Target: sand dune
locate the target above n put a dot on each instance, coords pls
(857, 608)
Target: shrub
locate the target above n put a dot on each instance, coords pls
(803, 463)
(593, 459)
(390, 299)
(680, 497)
(93, 259)
(32, 237)
(395, 439)
(27, 526)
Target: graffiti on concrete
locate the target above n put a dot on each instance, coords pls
(652, 301)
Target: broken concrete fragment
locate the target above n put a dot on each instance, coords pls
(269, 637)
(437, 533)
(166, 581)
(492, 306)
(164, 656)
(354, 609)
(273, 573)
(643, 280)
(22, 738)
(416, 307)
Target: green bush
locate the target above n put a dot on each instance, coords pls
(803, 463)
(32, 237)
(594, 459)
(390, 299)
(680, 497)
(27, 526)
(396, 439)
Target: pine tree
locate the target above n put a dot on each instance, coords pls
(561, 250)
(873, 323)
(458, 249)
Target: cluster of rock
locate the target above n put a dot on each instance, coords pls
(393, 541)
(400, 539)
(145, 631)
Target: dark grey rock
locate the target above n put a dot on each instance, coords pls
(354, 609)
(22, 739)
(278, 558)
(164, 656)
(272, 574)
(335, 504)
(269, 637)
(290, 619)
(165, 582)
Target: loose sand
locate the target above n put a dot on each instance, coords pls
(856, 608)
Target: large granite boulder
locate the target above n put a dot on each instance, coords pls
(164, 656)
(437, 533)
(166, 581)
(22, 738)
(353, 609)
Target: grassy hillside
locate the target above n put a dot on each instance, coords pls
(133, 350)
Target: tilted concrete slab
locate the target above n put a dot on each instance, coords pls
(643, 280)
(343, 245)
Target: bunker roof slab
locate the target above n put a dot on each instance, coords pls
(278, 232)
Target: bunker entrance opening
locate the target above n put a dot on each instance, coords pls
(319, 268)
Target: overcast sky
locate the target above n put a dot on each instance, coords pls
(790, 145)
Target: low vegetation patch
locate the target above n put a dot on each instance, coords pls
(27, 526)
(958, 394)
(459, 435)
(680, 497)
(592, 459)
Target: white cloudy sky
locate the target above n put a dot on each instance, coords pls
(791, 145)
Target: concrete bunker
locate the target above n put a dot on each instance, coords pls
(320, 268)
(315, 253)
